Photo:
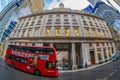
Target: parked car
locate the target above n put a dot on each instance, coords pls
(116, 56)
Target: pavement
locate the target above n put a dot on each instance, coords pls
(84, 69)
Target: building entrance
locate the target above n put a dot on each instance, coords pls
(92, 57)
(63, 56)
(63, 60)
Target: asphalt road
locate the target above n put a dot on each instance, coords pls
(109, 71)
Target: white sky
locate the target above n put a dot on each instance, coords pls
(76, 4)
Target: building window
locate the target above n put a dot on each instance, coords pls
(57, 21)
(107, 33)
(29, 33)
(17, 26)
(97, 44)
(99, 55)
(21, 25)
(73, 16)
(50, 16)
(66, 16)
(29, 19)
(74, 21)
(67, 32)
(26, 24)
(66, 21)
(85, 23)
(82, 17)
(88, 18)
(96, 24)
(40, 17)
(91, 24)
(100, 33)
(87, 32)
(76, 31)
(90, 45)
(24, 20)
(39, 22)
(47, 33)
(34, 18)
(18, 33)
(49, 21)
(94, 33)
(109, 52)
(15, 33)
(32, 23)
(57, 16)
(105, 56)
(36, 32)
(104, 33)
(57, 31)
(103, 44)
(23, 33)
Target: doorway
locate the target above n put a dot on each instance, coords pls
(92, 57)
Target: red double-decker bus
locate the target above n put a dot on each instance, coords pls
(36, 60)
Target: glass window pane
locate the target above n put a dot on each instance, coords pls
(47, 32)
(57, 32)
(67, 32)
(76, 31)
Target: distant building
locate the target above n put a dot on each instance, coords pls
(80, 38)
(93, 2)
(111, 16)
(89, 8)
(10, 14)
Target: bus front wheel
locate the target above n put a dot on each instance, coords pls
(37, 72)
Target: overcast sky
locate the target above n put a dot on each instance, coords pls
(74, 4)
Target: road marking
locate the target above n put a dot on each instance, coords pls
(111, 74)
(105, 78)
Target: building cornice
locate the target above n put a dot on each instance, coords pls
(63, 38)
(64, 11)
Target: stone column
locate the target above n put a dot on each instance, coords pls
(51, 44)
(32, 33)
(110, 49)
(26, 32)
(73, 56)
(102, 52)
(52, 31)
(95, 53)
(91, 34)
(114, 49)
(85, 56)
(87, 53)
(107, 51)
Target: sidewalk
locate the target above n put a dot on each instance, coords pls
(2, 57)
(84, 69)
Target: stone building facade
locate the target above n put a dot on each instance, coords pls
(80, 38)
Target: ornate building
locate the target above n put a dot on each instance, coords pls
(80, 38)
